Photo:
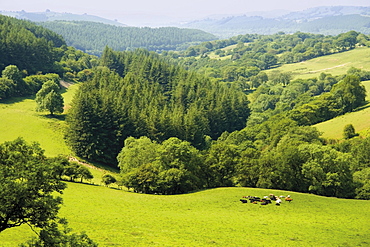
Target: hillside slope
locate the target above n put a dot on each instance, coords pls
(335, 64)
(209, 218)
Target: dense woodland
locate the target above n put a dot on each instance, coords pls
(28, 46)
(138, 94)
(183, 121)
(92, 37)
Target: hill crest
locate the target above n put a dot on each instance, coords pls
(54, 16)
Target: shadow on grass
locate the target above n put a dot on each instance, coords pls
(107, 167)
(362, 107)
(60, 117)
(13, 100)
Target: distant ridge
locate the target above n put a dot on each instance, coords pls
(53, 16)
(328, 20)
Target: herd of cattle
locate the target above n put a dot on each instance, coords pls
(266, 199)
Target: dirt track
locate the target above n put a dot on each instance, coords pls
(315, 71)
(65, 84)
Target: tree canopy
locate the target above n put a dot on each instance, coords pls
(28, 46)
(27, 186)
(93, 37)
(49, 98)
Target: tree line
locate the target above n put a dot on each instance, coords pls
(277, 154)
(174, 131)
(93, 37)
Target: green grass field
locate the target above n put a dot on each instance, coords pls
(335, 64)
(209, 218)
(19, 118)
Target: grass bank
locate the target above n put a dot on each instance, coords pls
(209, 218)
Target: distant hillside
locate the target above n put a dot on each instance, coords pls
(323, 20)
(28, 46)
(326, 11)
(93, 37)
(53, 16)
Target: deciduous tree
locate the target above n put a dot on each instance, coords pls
(49, 98)
(27, 186)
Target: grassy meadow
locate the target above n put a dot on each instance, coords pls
(19, 118)
(335, 64)
(208, 218)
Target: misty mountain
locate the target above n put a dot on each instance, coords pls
(54, 16)
(323, 20)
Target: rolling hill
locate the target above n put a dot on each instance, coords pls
(93, 37)
(329, 20)
(336, 64)
(208, 218)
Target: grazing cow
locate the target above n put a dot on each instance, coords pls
(278, 201)
(288, 199)
(254, 199)
(243, 200)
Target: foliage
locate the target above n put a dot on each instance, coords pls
(173, 167)
(49, 98)
(13, 83)
(28, 185)
(51, 235)
(73, 170)
(363, 179)
(108, 179)
(251, 51)
(349, 131)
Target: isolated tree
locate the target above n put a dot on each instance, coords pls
(349, 131)
(28, 186)
(84, 173)
(49, 98)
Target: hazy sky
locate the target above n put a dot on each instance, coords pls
(184, 9)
